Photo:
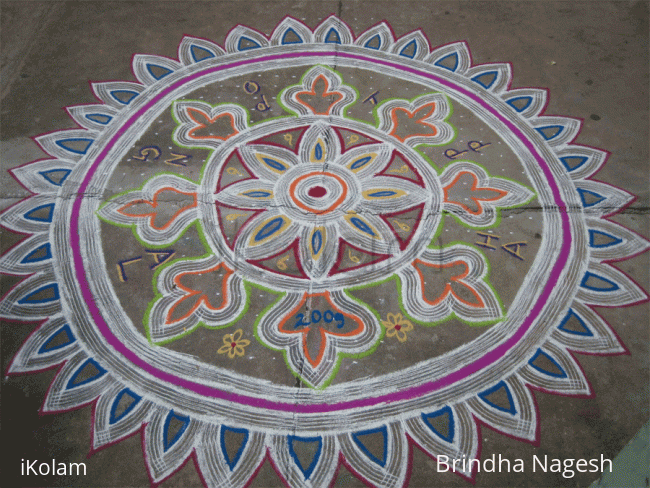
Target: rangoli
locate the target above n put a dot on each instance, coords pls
(311, 203)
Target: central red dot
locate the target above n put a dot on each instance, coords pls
(317, 191)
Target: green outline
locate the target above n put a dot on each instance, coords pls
(497, 221)
(339, 354)
(134, 225)
(453, 315)
(179, 123)
(426, 156)
(375, 110)
(375, 114)
(211, 149)
(158, 296)
(437, 233)
(278, 99)
(248, 286)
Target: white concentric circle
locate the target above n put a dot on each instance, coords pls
(404, 380)
(431, 212)
(318, 191)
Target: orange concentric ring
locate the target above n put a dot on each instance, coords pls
(332, 207)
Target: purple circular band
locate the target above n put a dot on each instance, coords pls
(406, 394)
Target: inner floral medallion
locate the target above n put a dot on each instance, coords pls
(311, 205)
(319, 201)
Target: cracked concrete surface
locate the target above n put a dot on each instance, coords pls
(592, 57)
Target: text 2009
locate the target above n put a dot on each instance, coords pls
(316, 316)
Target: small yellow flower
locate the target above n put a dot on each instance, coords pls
(233, 344)
(397, 326)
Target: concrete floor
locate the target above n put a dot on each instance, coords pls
(592, 57)
(631, 465)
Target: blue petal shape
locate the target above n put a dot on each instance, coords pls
(257, 194)
(291, 31)
(410, 45)
(541, 353)
(275, 164)
(361, 225)
(571, 314)
(306, 471)
(99, 118)
(500, 385)
(381, 430)
(31, 298)
(520, 109)
(566, 161)
(241, 46)
(318, 152)
(613, 240)
(41, 253)
(447, 412)
(360, 162)
(31, 215)
(135, 399)
(583, 196)
(200, 53)
(372, 39)
(316, 242)
(66, 144)
(64, 333)
(609, 285)
(222, 441)
(55, 176)
(333, 37)
(557, 128)
(127, 96)
(442, 61)
(99, 372)
(381, 194)
(269, 229)
(164, 71)
(493, 75)
(168, 443)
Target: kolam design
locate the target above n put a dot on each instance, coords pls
(289, 214)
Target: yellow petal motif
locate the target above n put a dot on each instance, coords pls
(233, 344)
(224, 349)
(397, 326)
